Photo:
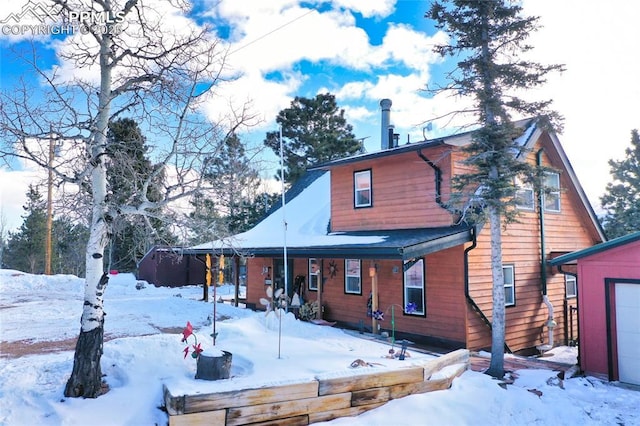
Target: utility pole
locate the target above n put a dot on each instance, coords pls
(48, 244)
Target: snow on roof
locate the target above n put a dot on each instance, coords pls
(307, 217)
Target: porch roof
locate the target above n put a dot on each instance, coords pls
(381, 244)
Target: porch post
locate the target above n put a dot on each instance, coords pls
(320, 310)
(373, 273)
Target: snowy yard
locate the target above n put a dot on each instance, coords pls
(39, 320)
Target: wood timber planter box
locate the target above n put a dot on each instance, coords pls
(325, 398)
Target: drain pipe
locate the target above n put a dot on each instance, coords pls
(438, 179)
(438, 183)
(474, 305)
(551, 323)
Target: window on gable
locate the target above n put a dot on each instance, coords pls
(314, 274)
(362, 188)
(352, 276)
(414, 287)
(571, 286)
(552, 198)
(524, 194)
(509, 285)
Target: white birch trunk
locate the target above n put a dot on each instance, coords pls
(93, 313)
(86, 377)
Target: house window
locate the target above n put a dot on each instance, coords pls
(314, 274)
(353, 280)
(570, 284)
(362, 188)
(414, 287)
(552, 198)
(524, 194)
(509, 285)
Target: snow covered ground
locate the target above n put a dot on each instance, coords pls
(39, 320)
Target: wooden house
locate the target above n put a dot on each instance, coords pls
(370, 238)
(608, 288)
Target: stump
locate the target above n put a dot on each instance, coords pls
(213, 367)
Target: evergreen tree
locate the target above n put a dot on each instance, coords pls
(25, 247)
(69, 241)
(128, 170)
(486, 37)
(234, 181)
(3, 236)
(313, 131)
(204, 221)
(235, 184)
(622, 198)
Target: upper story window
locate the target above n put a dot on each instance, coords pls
(362, 188)
(352, 276)
(314, 274)
(571, 286)
(552, 198)
(524, 194)
(509, 285)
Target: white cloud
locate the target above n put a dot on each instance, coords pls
(598, 94)
(13, 190)
(369, 8)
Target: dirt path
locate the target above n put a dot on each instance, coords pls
(29, 347)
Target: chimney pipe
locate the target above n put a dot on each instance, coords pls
(385, 106)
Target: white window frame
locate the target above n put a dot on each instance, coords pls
(509, 284)
(554, 195)
(314, 274)
(525, 192)
(364, 178)
(352, 274)
(570, 281)
(413, 279)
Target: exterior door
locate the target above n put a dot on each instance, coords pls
(628, 331)
(278, 275)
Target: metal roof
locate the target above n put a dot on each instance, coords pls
(397, 244)
(598, 248)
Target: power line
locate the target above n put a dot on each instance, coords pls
(273, 31)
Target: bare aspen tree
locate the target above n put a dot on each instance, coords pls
(144, 60)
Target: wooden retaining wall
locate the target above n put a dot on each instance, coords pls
(322, 399)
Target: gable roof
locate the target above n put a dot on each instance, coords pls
(307, 215)
(531, 133)
(308, 208)
(598, 248)
(458, 139)
(534, 132)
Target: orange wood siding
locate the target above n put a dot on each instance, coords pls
(444, 286)
(255, 279)
(403, 189)
(525, 322)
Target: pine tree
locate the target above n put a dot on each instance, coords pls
(25, 248)
(234, 181)
(486, 37)
(127, 171)
(69, 241)
(622, 198)
(313, 131)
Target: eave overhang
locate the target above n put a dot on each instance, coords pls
(402, 244)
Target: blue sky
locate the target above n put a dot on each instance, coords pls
(366, 50)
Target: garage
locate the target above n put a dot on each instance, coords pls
(627, 308)
(608, 288)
